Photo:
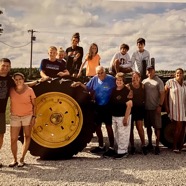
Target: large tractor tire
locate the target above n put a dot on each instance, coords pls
(167, 132)
(64, 120)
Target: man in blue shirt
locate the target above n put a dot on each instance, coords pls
(101, 86)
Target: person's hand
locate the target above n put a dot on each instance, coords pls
(75, 84)
(125, 122)
(79, 75)
(45, 78)
(158, 109)
(60, 74)
(32, 122)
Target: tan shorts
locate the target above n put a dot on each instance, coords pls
(18, 121)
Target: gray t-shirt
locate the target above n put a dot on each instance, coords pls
(153, 87)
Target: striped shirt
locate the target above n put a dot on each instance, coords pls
(177, 100)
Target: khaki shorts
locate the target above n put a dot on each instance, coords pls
(2, 123)
(18, 121)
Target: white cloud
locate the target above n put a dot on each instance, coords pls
(106, 23)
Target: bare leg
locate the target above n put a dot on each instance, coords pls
(1, 140)
(14, 132)
(132, 134)
(182, 137)
(157, 134)
(139, 126)
(149, 135)
(177, 133)
(27, 137)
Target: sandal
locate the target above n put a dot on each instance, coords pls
(13, 164)
(21, 164)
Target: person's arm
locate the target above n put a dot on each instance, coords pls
(35, 82)
(33, 102)
(64, 73)
(82, 65)
(127, 113)
(43, 75)
(78, 83)
(166, 99)
(162, 96)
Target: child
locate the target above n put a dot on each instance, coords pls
(74, 55)
(92, 59)
(121, 118)
(61, 55)
(51, 68)
(138, 110)
(121, 61)
(141, 58)
(22, 108)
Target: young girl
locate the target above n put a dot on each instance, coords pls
(74, 55)
(22, 108)
(138, 110)
(92, 59)
(121, 119)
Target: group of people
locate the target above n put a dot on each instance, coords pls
(118, 105)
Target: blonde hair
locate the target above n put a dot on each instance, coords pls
(52, 48)
(60, 49)
(120, 75)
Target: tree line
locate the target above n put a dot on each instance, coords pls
(36, 74)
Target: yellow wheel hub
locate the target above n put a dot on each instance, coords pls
(59, 120)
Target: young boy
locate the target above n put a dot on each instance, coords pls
(51, 67)
(141, 58)
(121, 61)
(6, 82)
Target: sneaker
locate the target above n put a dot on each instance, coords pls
(109, 153)
(133, 150)
(98, 150)
(176, 151)
(150, 147)
(144, 150)
(120, 156)
(157, 150)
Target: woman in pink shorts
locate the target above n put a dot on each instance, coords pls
(22, 108)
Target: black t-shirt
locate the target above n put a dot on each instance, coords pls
(52, 68)
(118, 101)
(5, 84)
(73, 67)
(138, 95)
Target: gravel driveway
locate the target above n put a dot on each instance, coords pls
(87, 169)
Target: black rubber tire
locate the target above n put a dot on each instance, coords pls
(167, 131)
(84, 100)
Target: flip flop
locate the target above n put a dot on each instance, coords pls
(13, 164)
(21, 164)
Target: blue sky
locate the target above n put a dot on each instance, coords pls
(107, 23)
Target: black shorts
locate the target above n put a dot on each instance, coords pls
(2, 123)
(138, 112)
(103, 115)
